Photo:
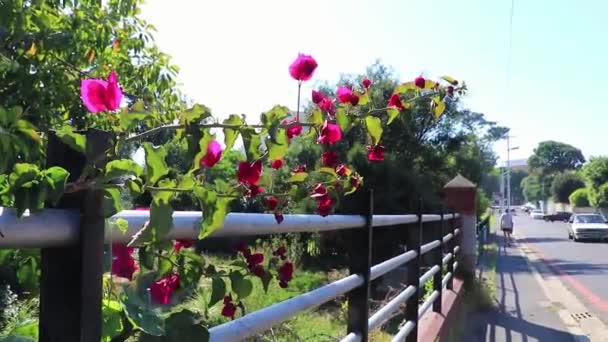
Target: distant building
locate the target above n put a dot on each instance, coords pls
(516, 165)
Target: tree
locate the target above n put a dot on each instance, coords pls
(579, 198)
(565, 184)
(595, 173)
(531, 188)
(551, 157)
(517, 194)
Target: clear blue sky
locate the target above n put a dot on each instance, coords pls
(234, 55)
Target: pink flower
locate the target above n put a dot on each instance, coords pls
(395, 101)
(330, 133)
(419, 82)
(271, 202)
(99, 95)
(258, 271)
(342, 170)
(121, 250)
(141, 208)
(366, 83)
(327, 105)
(300, 168)
(285, 274)
(179, 244)
(214, 154)
(375, 153)
(330, 158)
(123, 264)
(254, 190)
(294, 130)
(324, 206)
(317, 96)
(276, 164)
(162, 289)
(303, 67)
(346, 95)
(278, 217)
(229, 309)
(249, 173)
(319, 191)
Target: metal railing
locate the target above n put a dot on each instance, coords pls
(483, 232)
(60, 232)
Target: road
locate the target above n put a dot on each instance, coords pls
(582, 266)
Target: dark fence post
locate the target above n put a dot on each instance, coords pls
(438, 260)
(451, 245)
(71, 276)
(413, 274)
(361, 263)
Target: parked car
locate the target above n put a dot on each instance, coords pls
(537, 214)
(558, 216)
(587, 226)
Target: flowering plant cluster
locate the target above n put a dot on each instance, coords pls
(157, 275)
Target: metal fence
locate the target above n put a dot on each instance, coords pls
(72, 265)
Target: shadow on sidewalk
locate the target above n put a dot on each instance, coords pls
(506, 321)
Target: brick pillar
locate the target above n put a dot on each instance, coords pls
(460, 196)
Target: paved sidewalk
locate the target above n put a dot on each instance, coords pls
(523, 312)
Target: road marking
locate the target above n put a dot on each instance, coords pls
(588, 329)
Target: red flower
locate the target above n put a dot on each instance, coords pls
(319, 192)
(278, 217)
(303, 67)
(355, 181)
(162, 289)
(298, 169)
(293, 130)
(249, 173)
(366, 83)
(327, 105)
(281, 252)
(99, 95)
(214, 154)
(419, 82)
(276, 164)
(120, 250)
(258, 271)
(346, 95)
(330, 133)
(375, 153)
(330, 158)
(229, 309)
(271, 202)
(450, 90)
(255, 259)
(317, 96)
(285, 274)
(395, 101)
(124, 266)
(324, 206)
(179, 244)
(254, 190)
(342, 170)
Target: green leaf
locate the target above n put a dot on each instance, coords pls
(129, 120)
(252, 141)
(450, 80)
(187, 182)
(274, 116)
(328, 170)
(316, 117)
(76, 141)
(121, 224)
(266, 281)
(142, 316)
(374, 128)
(23, 174)
(343, 120)
(111, 313)
(298, 177)
(17, 339)
(203, 143)
(8, 117)
(191, 271)
(165, 265)
(195, 114)
(405, 87)
(146, 256)
(393, 113)
(231, 134)
(28, 273)
(161, 213)
(56, 178)
(438, 108)
(183, 326)
(363, 99)
(122, 167)
(111, 202)
(218, 290)
(135, 186)
(240, 285)
(156, 167)
(28, 328)
(278, 145)
(215, 209)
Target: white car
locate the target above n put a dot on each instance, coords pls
(587, 226)
(537, 214)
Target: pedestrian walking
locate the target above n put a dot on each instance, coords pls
(506, 224)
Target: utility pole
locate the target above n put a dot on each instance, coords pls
(508, 172)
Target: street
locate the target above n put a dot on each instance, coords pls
(581, 266)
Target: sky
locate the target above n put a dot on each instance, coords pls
(234, 56)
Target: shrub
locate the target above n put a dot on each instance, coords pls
(599, 197)
(579, 198)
